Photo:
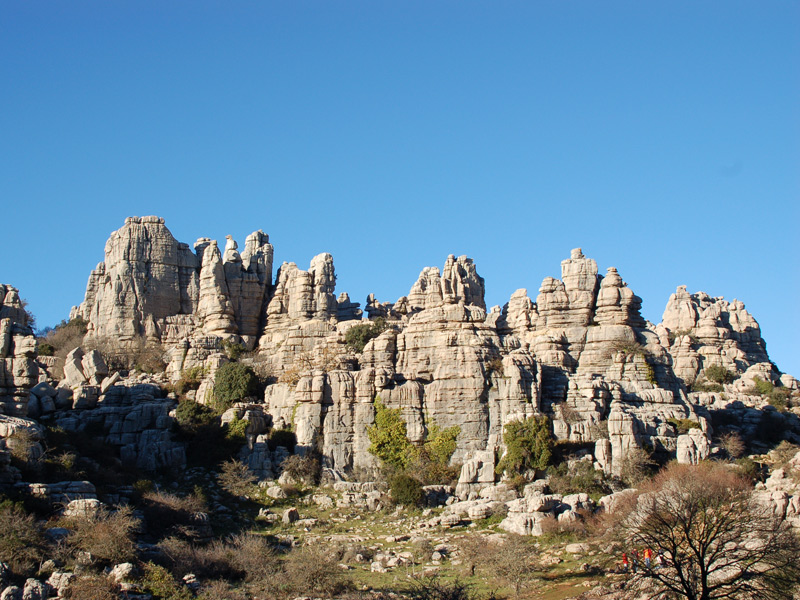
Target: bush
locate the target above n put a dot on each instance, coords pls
(161, 584)
(232, 383)
(235, 430)
(282, 437)
(762, 386)
(406, 490)
(732, 444)
(190, 414)
(96, 587)
(387, 437)
(167, 513)
(779, 398)
(432, 587)
(637, 465)
(719, 374)
(749, 468)
(529, 445)
(46, 349)
(683, 425)
(190, 379)
(232, 350)
(306, 469)
(431, 461)
(312, 569)
(21, 541)
(236, 478)
(108, 536)
(577, 477)
(357, 336)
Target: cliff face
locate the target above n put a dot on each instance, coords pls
(18, 370)
(581, 352)
(152, 285)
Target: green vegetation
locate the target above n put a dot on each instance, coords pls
(282, 437)
(233, 382)
(190, 379)
(578, 476)
(529, 445)
(630, 348)
(191, 414)
(232, 350)
(683, 425)
(357, 336)
(719, 374)
(388, 440)
(405, 489)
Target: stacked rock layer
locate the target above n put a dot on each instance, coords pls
(580, 352)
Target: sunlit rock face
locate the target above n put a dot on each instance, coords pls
(18, 370)
(579, 351)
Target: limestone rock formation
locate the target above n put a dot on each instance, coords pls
(579, 352)
(152, 285)
(18, 370)
(701, 331)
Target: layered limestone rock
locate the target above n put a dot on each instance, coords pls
(18, 369)
(601, 362)
(700, 331)
(438, 363)
(580, 353)
(152, 285)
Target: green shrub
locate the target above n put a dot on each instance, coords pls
(191, 414)
(578, 477)
(762, 386)
(683, 425)
(388, 439)
(232, 350)
(357, 336)
(748, 467)
(719, 374)
(431, 461)
(190, 379)
(235, 430)
(630, 348)
(46, 349)
(705, 386)
(529, 445)
(232, 383)
(405, 489)
(282, 437)
(779, 398)
(162, 585)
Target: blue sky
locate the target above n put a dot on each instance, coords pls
(663, 138)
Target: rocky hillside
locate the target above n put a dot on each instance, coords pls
(181, 357)
(579, 352)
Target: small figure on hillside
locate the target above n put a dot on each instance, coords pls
(648, 555)
(624, 562)
(635, 561)
(660, 559)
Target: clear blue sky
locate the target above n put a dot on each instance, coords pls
(662, 137)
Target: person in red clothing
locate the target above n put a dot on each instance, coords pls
(624, 562)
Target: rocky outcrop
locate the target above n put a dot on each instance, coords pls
(152, 285)
(18, 369)
(579, 352)
(700, 331)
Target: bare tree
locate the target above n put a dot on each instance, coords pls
(715, 540)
